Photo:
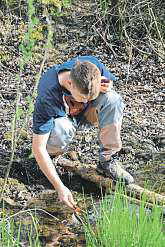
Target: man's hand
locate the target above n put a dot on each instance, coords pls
(106, 84)
(45, 163)
(65, 196)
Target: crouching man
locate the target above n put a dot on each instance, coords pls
(69, 95)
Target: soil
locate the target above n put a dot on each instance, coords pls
(140, 82)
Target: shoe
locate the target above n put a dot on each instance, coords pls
(113, 170)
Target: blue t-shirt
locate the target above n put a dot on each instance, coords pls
(49, 102)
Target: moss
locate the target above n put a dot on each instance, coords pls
(37, 33)
(4, 55)
(24, 135)
(11, 182)
(55, 3)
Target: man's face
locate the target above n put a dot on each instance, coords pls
(78, 96)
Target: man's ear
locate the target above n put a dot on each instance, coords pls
(69, 83)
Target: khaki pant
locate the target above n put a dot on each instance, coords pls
(106, 112)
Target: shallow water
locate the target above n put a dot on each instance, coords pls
(57, 224)
(54, 220)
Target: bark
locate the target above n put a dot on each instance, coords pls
(89, 173)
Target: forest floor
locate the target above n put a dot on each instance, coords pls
(140, 82)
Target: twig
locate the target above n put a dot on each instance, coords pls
(13, 141)
(129, 61)
(32, 209)
(156, 25)
(106, 42)
(126, 35)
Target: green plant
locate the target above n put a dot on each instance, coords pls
(119, 223)
(26, 48)
(11, 231)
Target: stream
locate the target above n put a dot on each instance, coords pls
(57, 225)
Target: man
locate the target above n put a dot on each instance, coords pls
(69, 95)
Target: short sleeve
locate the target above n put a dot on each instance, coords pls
(42, 123)
(105, 72)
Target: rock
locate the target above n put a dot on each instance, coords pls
(73, 155)
(15, 193)
(10, 203)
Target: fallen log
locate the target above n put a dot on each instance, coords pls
(89, 173)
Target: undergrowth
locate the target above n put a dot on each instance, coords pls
(13, 233)
(120, 223)
(138, 25)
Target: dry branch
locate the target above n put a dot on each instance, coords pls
(89, 173)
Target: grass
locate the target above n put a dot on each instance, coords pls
(118, 223)
(15, 234)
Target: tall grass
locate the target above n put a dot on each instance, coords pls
(120, 224)
(15, 234)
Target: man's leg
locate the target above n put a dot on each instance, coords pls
(107, 112)
(61, 135)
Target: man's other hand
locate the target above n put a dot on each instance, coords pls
(65, 196)
(106, 85)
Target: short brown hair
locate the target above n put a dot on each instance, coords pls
(86, 77)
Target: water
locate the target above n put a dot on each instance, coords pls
(57, 225)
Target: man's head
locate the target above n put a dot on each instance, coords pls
(85, 81)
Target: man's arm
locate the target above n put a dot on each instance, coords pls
(45, 163)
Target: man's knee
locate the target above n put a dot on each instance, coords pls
(61, 135)
(110, 108)
(108, 98)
